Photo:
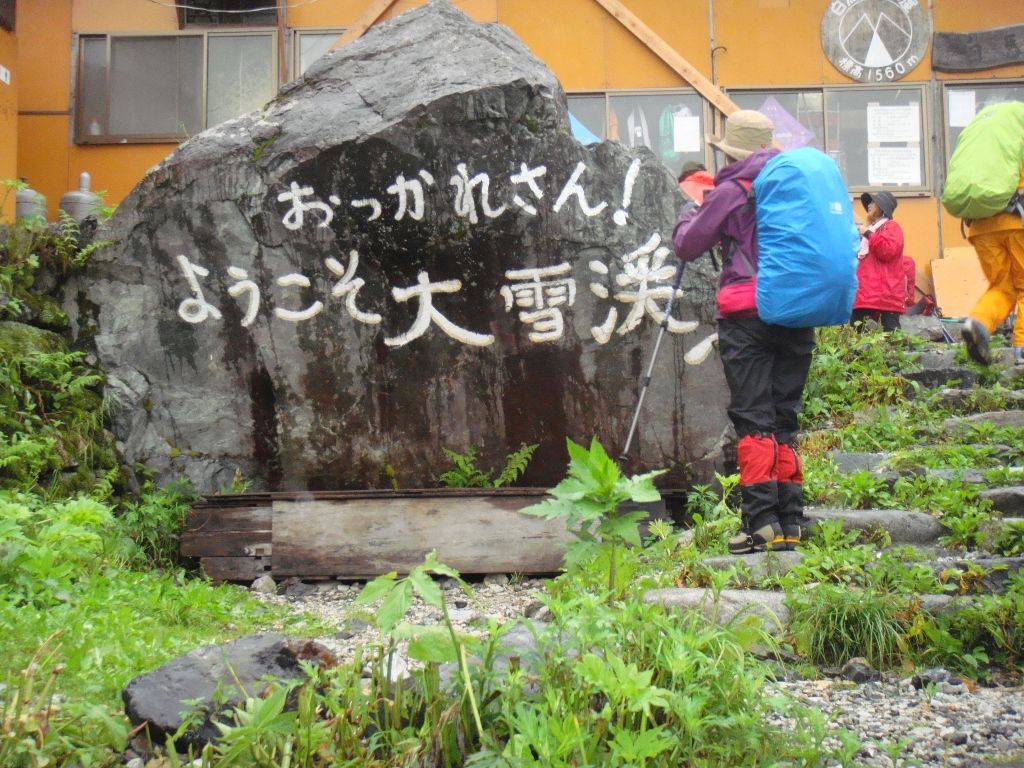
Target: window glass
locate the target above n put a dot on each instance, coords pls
(7, 15)
(590, 111)
(876, 136)
(313, 45)
(669, 124)
(151, 88)
(155, 86)
(92, 103)
(241, 75)
(963, 102)
(233, 12)
(798, 116)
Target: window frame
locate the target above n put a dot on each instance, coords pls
(80, 133)
(296, 44)
(828, 92)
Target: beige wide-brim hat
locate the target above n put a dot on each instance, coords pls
(746, 132)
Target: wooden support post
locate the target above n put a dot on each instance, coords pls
(373, 12)
(667, 53)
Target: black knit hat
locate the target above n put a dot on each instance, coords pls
(884, 200)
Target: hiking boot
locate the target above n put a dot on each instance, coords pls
(791, 534)
(1018, 355)
(767, 537)
(976, 338)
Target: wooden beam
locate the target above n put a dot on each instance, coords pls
(667, 53)
(373, 12)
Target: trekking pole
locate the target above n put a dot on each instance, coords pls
(645, 382)
(942, 325)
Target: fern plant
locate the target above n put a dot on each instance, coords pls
(466, 474)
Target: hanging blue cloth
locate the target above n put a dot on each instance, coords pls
(580, 132)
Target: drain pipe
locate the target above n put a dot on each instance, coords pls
(938, 147)
(282, 43)
(711, 34)
(716, 116)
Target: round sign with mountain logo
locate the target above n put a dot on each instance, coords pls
(875, 41)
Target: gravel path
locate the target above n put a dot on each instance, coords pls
(951, 724)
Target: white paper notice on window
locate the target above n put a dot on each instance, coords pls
(686, 133)
(894, 165)
(961, 108)
(894, 124)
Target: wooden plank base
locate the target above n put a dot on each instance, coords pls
(362, 534)
(359, 538)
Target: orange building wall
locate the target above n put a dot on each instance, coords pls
(8, 122)
(46, 154)
(758, 43)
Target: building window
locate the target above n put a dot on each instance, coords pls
(197, 13)
(669, 123)
(311, 45)
(875, 135)
(166, 88)
(964, 100)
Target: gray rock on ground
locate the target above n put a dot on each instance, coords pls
(218, 677)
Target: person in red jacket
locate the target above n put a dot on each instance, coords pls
(881, 275)
(695, 181)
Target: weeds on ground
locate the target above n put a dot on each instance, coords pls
(832, 624)
(853, 371)
(466, 474)
(598, 504)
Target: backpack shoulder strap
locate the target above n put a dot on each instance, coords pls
(748, 186)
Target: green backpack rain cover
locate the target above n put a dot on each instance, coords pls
(984, 171)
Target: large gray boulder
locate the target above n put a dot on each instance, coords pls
(405, 251)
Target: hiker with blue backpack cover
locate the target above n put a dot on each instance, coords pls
(788, 242)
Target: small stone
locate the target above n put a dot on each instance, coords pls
(934, 676)
(461, 615)
(298, 588)
(496, 580)
(858, 670)
(264, 585)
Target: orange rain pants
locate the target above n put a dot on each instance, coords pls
(999, 242)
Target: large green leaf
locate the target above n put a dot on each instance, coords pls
(394, 606)
(425, 587)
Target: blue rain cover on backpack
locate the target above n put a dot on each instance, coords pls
(806, 240)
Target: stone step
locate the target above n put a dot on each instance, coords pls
(945, 355)
(733, 604)
(933, 378)
(757, 567)
(960, 425)
(904, 526)
(958, 398)
(877, 464)
(1007, 500)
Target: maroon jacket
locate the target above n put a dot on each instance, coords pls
(726, 218)
(881, 275)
